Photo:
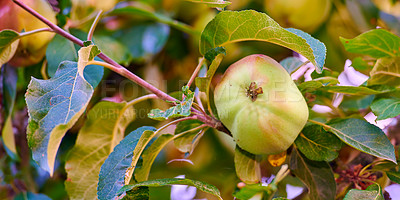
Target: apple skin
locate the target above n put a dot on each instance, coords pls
(270, 123)
(306, 15)
(32, 48)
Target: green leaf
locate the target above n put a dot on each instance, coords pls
(203, 83)
(318, 48)
(247, 167)
(363, 136)
(138, 193)
(58, 50)
(291, 64)
(386, 72)
(233, 26)
(149, 155)
(112, 172)
(202, 186)
(113, 48)
(9, 40)
(372, 192)
(151, 14)
(102, 131)
(180, 110)
(212, 53)
(318, 176)
(213, 3)
(9, 82)
(85, 55)
(386, 108)
(54, 106)
(280, 198)
(352, 90)
(61, 49)
(249, 191)
(145, 40)
(187, 143)
(377, 43)
(31, 196)
(317, 144)
(394, 176)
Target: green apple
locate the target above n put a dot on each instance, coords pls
(261, 105)
(306, 15)
(32, 48)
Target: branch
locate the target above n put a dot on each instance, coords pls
(114, 66)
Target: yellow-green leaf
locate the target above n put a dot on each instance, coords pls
(102, 131)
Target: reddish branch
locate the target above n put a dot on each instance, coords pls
(122, 70)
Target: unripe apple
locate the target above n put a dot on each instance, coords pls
(306, 15)
(32, 48)
(261, 105)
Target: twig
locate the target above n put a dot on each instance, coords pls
(114, 66)
(94, 25)
(196, 71)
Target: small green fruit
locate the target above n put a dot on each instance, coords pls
(307, 15)
(261, 105)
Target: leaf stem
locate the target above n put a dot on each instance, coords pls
(318, 123)
(35, 31)
(196, 71)
(94, 25)
(188, 131)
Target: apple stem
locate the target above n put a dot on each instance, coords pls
(114, 66)
(94, 24)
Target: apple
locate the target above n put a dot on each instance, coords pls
(32, 48)
(260, 105)
(306, 15)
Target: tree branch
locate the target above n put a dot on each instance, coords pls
(114, 66)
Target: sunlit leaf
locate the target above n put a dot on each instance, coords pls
(212, 3)
(203, 83)
(205, 187)
(363, 136)
(54, 106)
(187, 142)
(9, 40)
(247, 167)
(376, 43)
(180, 110)
(318, 176)
(372, 192)
(102, 131)
(317, 144)
(232, 26)
(386, 72)
(394, 176)
(149, 155)
(113, 171)
(86, 54)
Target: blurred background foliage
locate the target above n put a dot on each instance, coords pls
(158, 40)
